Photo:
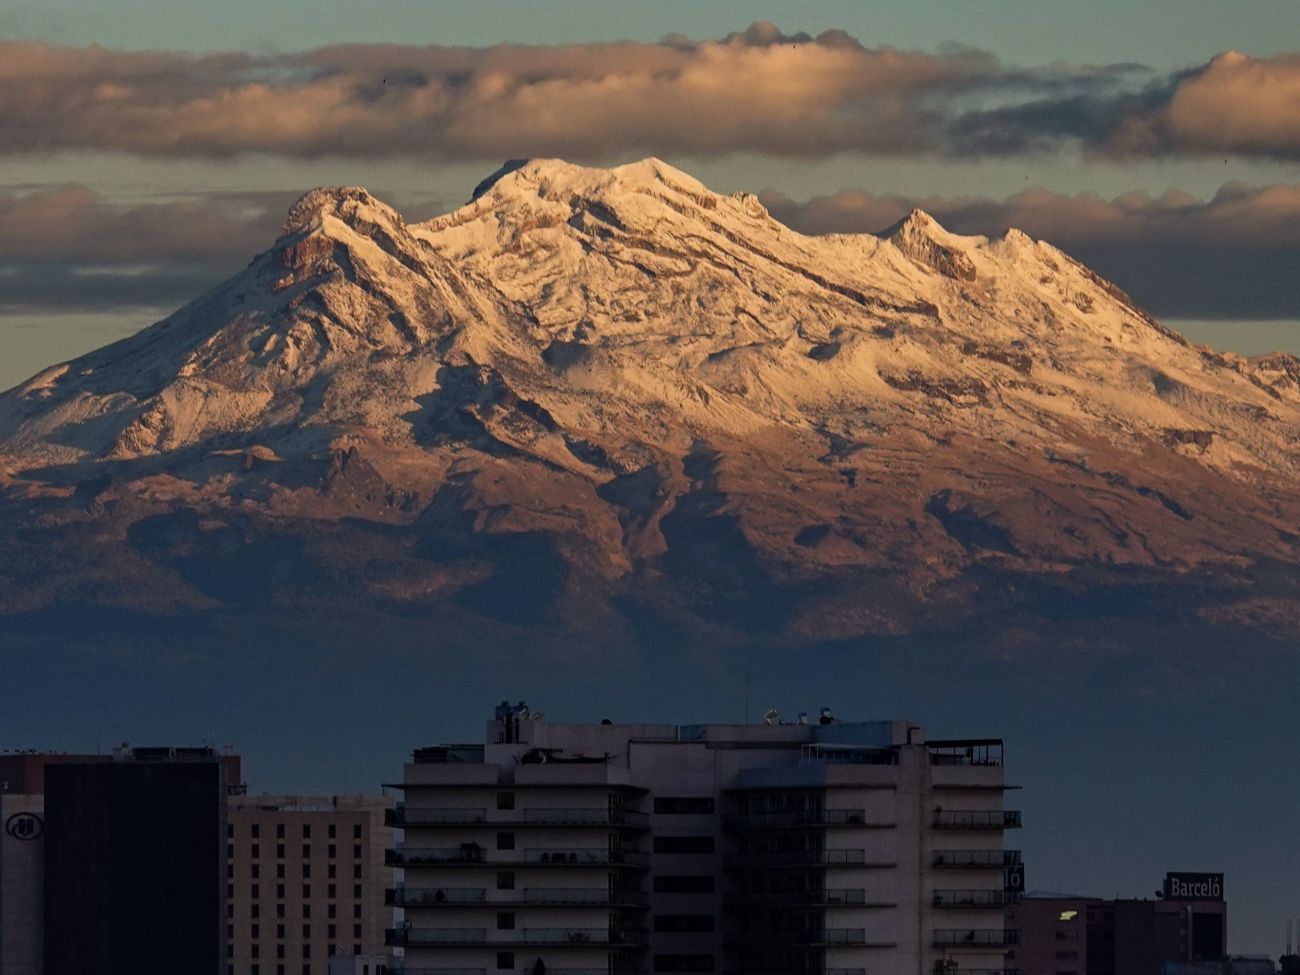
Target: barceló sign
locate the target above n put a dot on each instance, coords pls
(24, 826)
(1194, 886)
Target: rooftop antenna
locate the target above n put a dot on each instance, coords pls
(771, 716)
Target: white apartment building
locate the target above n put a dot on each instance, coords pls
(837, 848)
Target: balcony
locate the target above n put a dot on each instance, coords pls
(816, 936)
(800, 858)
(832, 897)
(583, 896)
(977, 819)
(477, 937)
(975, 898)
(976, 859)
(798, 971)
(471, 854)
(403, 816)
(801, 819)
(628, 818)
(435, 896)
(404, 936)
(976, 937)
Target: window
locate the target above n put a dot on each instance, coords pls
(230, 892)
(279, 831)
(330, 931)
(255, 951)
(306, 910)
(333, 830)
(230, 931)
(505, 800)
(356, 910)
(279, 891)
(684, 884)
(306, 932)
(306, 871)
(279, 970)
(279, 871)
(279, 950)
(505, 959)
(505, 880)
(684, 805)
(230, 851)
(683, 963)
(255, 910)
(330, 892)
(683, 844)
(230, 832)
(356, 871)
(306, 892)
(279, 851)
(255, 830)
(356, 831)
(279, 910)
(254, 970)
(306, 831)
(256, 850)
(332, 871)
(694, 923)
(230, 909)
(306, 951)
(505, 841)
(306, 968)
(356, 891)
(331, 851)
(254, 891)
(331, 910)
(230, 871)
(356, 851)
(279, 931)
(331, 950)
(505, 920)
(356, 930)
(306, 851)
(256, 871)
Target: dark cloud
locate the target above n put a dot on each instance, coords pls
(67, 247)
(1235, 256)
(760, 90)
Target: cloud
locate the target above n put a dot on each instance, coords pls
(1236, 255)
(68, 247)
(760, 90)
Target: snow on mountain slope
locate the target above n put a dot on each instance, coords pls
(604, 358)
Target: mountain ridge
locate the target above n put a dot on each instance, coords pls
(650, 386)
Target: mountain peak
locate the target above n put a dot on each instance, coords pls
(354, 205)
(924, 240)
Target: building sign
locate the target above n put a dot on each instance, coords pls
(1194, 886)
(1013, 878)
(24, 826)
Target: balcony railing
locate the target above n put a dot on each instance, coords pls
(473, 854)
(976, 858)
(975, 898)
(580, 896)
(976, 937)
(816, 936)
(797, 971)
(434, 896)
(395, 970)
(586, 817)
(800, 858)
(832, 897)
(737, 822)
(403, 815)
(447, 937)
(977, 819)
(435, 936)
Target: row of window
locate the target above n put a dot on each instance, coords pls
(331, 871)
(662, 963)
(255, 932)
(256, 968)
(255, 912)
(331, 851)
(255, 891)
(255, 831)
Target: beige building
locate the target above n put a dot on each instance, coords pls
(22, 883)
(792, 848)
(305, 882)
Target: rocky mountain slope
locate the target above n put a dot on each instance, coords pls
(613, 403)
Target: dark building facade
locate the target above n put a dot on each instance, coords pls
(135, 864)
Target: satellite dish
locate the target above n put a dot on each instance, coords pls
(770, 717)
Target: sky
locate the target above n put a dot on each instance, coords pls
(149, 149)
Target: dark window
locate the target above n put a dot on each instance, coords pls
(255, 910)
(306, 931)
(279, 910)
(254, 891)
(306, 851)
(306, 891)
(683, 963)
(279, 931)
(332, 871)
(684, 805)
(306, 831)
(230, 892)
(330, 931)
(331, 910)
(230, 851)
(256, 873)
(306, 871)
(356, 831)
(279, 951)
(505, 959)
(505, 800)
(255, 831)
(331, 851)
(684, 922)
(356, 851)
(230, 871)
(279, 891)
(505, 920)
(333, 830)
(279, 851)
(331, 892)
(356, 930)
(279, 871)
(356, 910)
(505, 880)
(356, 892)
(505, 841)
(356, 871)
(683, 844)
(257, 850)
(230, 832)
(279, 831)
(684, 884)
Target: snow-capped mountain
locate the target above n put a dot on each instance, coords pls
(591, 388)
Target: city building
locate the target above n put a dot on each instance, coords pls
(802, 847)
(134, 862)
(305, 882)
(22, 883)
(1185, 927)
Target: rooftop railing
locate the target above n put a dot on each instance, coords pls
(975, 898)
(976, 937)
(976, 858)
(977, 819)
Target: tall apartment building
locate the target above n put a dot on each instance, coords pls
(832, 847)
(305, 880)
